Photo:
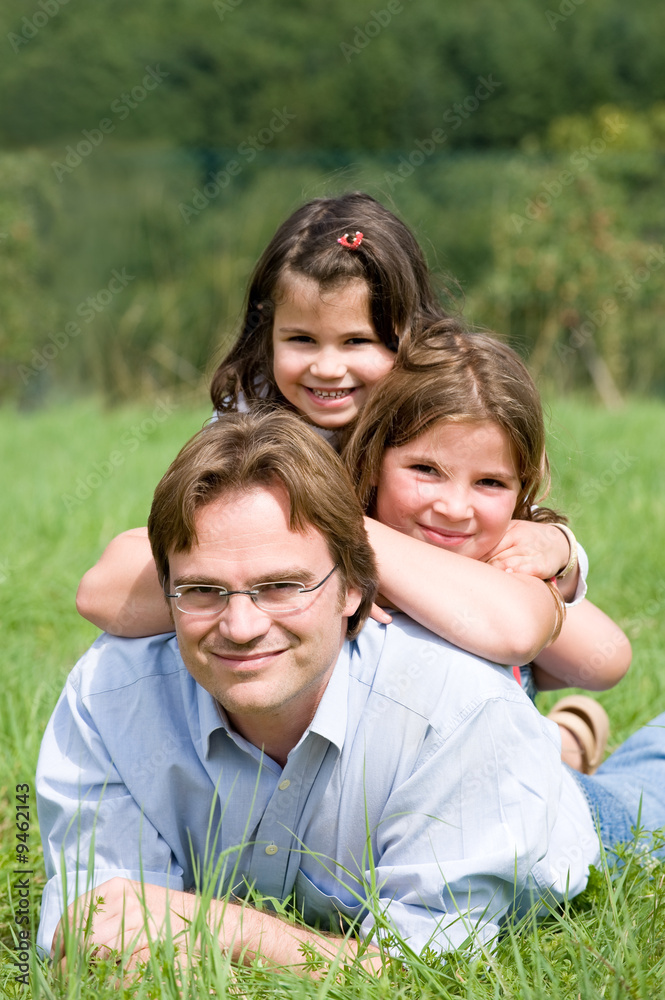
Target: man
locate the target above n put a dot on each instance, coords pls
(377, 775)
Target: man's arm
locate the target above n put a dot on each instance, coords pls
(459, 839)
(127, 916)
(81, 800)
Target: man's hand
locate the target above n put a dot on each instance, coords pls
(124, 916)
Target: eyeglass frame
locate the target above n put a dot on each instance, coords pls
(252, 594)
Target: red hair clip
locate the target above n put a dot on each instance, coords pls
(355, 242)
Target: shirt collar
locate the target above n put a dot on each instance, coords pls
(331, 715)
(210, 718)
(329, 719)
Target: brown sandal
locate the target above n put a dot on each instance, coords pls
(587, 720)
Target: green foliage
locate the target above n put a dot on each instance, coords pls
(572, 281)
(166, 140)
(370, 78)
(577, 276)
(640, 131)
(559, 251)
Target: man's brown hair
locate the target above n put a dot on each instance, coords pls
(242, 451)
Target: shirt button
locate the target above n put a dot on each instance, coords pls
(283, 785)
(272, 849)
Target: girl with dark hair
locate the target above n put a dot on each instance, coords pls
(346, 256)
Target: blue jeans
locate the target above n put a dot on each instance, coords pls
(630, 784)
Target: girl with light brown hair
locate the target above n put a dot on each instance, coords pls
(450, 450)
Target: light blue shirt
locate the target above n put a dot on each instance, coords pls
(425, 773)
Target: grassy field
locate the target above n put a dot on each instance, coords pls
(76, 475)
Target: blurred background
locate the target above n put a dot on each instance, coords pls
(148, 151)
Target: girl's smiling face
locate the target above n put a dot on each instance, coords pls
(456, 486)
(326, 353)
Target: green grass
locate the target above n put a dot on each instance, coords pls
(608, 473)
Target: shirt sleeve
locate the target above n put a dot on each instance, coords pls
(457, 840)
(583, 563)
(84, 807)
(581, 589)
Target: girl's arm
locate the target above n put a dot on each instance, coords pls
(504, 617)
(121, 594)
(591, 652)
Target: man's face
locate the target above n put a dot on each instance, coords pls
(259, 665)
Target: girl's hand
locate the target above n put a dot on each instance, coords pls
(379, 615)
(531, 547)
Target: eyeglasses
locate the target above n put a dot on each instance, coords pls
(275, 598)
